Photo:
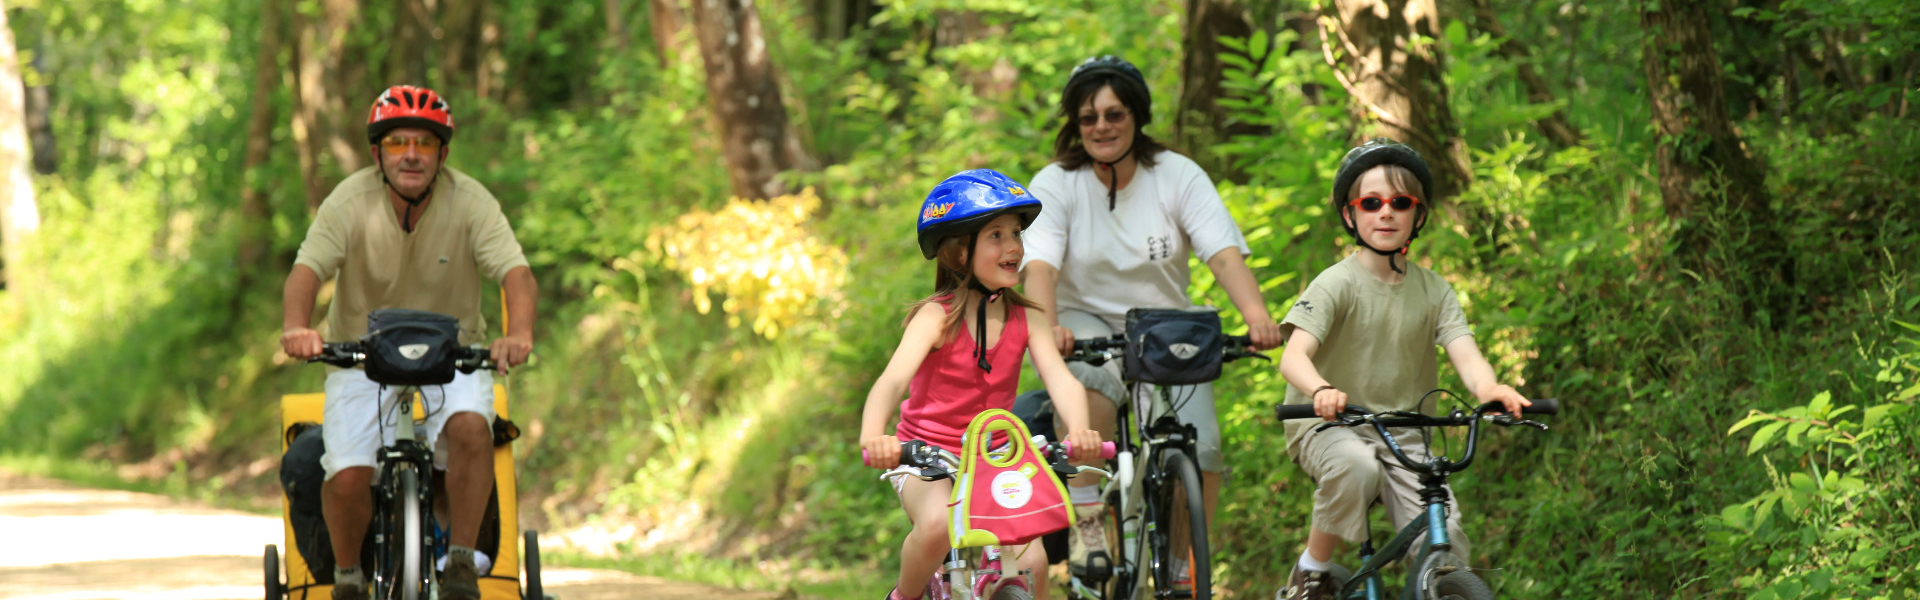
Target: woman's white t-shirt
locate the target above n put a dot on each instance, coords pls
(1134, 255)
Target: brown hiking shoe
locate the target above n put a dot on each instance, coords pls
(1306, 584)
(349, 592)
(461, 581)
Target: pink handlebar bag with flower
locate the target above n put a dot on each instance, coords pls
(1004, 497)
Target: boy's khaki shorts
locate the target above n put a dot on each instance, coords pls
(1353, 468)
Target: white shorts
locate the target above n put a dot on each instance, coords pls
(356, 428)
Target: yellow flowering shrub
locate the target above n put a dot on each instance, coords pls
(759, 255)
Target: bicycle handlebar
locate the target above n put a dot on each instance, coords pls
(1357, 415)
(927, 457)
(347, 355)
(1097, 351)
(1541, 406)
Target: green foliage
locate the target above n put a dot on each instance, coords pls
(639, 406)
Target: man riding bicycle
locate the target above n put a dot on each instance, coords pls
(408, 233)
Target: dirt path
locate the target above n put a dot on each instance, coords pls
(59, 541)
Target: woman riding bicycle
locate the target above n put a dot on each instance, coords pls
(961, 355)
(1122, 215)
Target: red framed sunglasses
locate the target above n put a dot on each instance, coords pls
(1373, 203)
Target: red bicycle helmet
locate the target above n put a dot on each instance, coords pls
(409, 106)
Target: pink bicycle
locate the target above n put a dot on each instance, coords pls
(959, 578)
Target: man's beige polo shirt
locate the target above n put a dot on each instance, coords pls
(357, 237)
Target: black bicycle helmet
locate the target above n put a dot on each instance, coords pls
(1108, 64)
(1375, 152)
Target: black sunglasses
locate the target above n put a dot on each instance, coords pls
(1115, 116)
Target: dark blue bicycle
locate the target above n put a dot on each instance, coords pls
(1437, 574)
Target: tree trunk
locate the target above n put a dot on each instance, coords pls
(617, 25)
(1554, 126)
(413, 23)
(457, 47)
(744, 94)
(323, 123)
(256, 213)
(667, 21)
(1703, 163)
(19, 214)
(1200, 121)
(46, 158)
(1397, 85)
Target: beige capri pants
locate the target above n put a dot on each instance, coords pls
(1352, 468)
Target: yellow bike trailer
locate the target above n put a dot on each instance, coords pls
(501, 583)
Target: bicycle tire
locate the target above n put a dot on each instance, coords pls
(413, 578)
(1461, 585)
(272, 563)
(534, 591)
(1181, 490)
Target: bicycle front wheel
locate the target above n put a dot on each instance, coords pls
(1182, 567)
(413, 578)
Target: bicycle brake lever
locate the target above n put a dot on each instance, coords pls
(1096, 470)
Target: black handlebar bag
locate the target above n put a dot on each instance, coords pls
(410, 347)
(1173, 346)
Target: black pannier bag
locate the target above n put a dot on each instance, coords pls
(301, 477)
(410, 347)
(1174, 346)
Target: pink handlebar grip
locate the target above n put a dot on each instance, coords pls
(1107, 451)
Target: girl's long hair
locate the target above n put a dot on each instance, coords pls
(951, 279)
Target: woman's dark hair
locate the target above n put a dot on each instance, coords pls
(1067, 149)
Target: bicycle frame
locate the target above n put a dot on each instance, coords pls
(1434, 496)
(1129, 484)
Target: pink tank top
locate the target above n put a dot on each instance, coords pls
(949, 390)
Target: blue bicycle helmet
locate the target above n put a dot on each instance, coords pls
(967, 201)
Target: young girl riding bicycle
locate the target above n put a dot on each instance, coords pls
(961, 355)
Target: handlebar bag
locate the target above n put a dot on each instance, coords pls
(1004, 497)
(410, 347)
(1174, 346)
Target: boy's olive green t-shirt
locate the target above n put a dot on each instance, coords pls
(461, 236)
(1379, 342)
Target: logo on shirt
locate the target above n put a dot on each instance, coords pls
(936, 211)
(1304, 305)
(1159, 247)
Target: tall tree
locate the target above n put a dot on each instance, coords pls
(456, 46)
(413, 25)
(666, 21)
(323, 127)
(46, 158)
(1554, 126)
(19, 213)
(255, 211)
(1201, 120)
(1396, 82)
(1703, 162)
(744, 94)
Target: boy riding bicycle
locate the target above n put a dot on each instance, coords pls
(408, 233)
(1367, 328)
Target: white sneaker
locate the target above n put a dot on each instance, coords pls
(1087, 543)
